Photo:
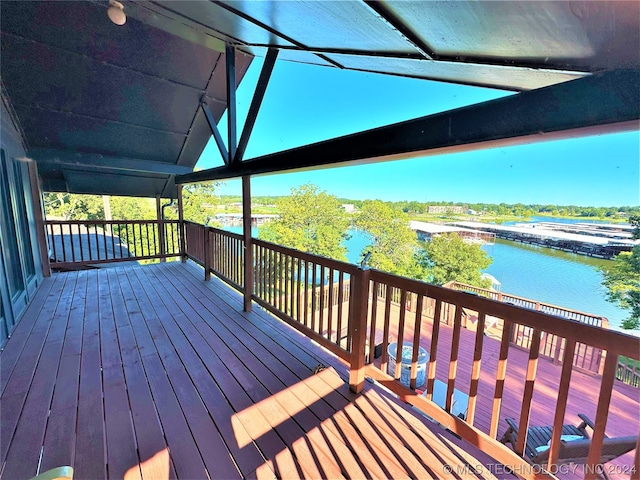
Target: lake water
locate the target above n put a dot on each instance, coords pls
(543, 274)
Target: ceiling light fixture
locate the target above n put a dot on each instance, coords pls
(116, 12)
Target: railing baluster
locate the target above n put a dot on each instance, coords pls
(313, 297)
(453, 362)
(340, 301)
(475, 369)
(321, 301)
(501, 374)
(435, 335)
(525, 413)
(417, 326)
(104, 239)
(263, 263)
(73, 251)
(385, 334)
(602, 410)
(279, 281)
(113, 241)
(286, 284)
(400, 336)
(330, 309)
(272, 274)
(372, 327)
(64, 250)
(298, 284)
(146, 225)
(561, 405)
(52, 237)
(306, 293)
(120, 237)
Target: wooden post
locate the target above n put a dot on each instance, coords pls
(183, 248)
(106, 203)
(358, 329)
(207, 254)
(160, 227)
(41, 232)
(248, 243)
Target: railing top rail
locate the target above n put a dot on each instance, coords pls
(610, 340)
(216, 230)
(220, 231)
(327, 262)
(104, 222)
(528, 300)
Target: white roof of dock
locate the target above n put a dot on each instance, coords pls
(546, 233)
(435, 228)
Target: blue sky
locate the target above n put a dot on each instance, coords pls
(305, 104)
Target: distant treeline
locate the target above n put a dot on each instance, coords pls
(516, 209)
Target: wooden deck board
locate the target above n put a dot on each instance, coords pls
(43, 304)
(90, 454)
(166, 377)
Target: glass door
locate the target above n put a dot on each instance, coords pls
(13, 269)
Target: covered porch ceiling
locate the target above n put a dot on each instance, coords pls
(124, 110)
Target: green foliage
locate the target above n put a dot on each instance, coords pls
(130, 208)
(310, 220)
(68, 206)
(199, 203)
(447, 258)
(394, 244)
(622, 281)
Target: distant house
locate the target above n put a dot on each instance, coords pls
(348, 207)
(445, 209)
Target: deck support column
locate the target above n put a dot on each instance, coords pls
(206, 248)
(41, 232)
(183, 248)
(160, 228)
(358, 328)
(248, 243)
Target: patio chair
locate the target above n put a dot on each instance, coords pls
(60, 473)
(574, 447)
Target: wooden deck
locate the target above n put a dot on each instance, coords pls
(149, 372)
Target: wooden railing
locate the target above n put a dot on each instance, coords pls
(218, 251)
(309, 292)
(586, 357)
(384, 324)
(629, 374)
(75, 243)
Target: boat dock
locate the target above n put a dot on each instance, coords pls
(426, 231)
(594, 240)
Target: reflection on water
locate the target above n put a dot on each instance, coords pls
(553, 276)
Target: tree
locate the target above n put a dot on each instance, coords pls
(132, 208)
(199, 202)
(448, 258)
(73, 206)
(622, 280)
(394, 244)
(310, 220)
